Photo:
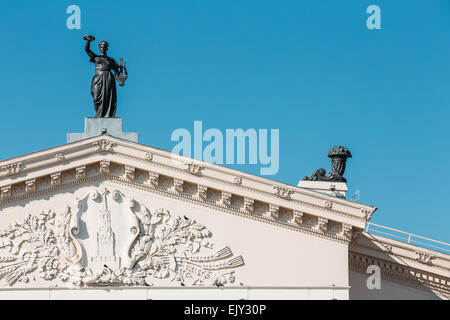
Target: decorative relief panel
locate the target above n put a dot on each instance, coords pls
(12, 168)
(274, 211)
(59, 156)
(80, 172)
(154, 179)
(30, 186)
(367, 214)
(5, 192)
(178, 185)
(55, 179)
(202, 192)
(104, 146)
(424, 257)
(249, 204)
(129, 172)
(226, 198)
(105, 166)
(347, 230)
(322, 224)
(283, 192)
(148, 156)
(238, 180)
(297, 217)
(107, 238)
(193, 168)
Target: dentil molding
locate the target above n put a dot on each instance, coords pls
(222, 199)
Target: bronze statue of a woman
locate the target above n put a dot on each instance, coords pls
(103, 86)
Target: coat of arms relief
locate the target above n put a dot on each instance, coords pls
(106, 238)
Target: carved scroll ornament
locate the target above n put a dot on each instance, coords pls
(143, 247)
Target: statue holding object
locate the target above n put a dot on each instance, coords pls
(103, 86)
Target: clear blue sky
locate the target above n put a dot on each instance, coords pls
(310, 68)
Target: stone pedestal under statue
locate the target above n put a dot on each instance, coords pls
(97, 126)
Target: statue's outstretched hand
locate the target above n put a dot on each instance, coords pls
(88, 37)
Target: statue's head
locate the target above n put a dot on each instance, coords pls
(103, 46)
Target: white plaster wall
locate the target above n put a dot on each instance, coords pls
(389, 290)
(273, 256)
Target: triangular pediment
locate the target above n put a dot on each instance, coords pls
(106, 205)
(162, 171)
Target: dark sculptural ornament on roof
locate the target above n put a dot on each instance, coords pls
(103, 86)
(339, 156)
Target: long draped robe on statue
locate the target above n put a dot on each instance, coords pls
(103, 86)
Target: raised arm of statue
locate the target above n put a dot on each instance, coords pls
(87, 47)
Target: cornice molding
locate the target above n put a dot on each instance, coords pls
(423, 258)
(94, 172)
(110, 145)
(326, 207)
(103, 150)
(402, 274)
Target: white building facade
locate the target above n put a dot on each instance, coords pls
(105, 217)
